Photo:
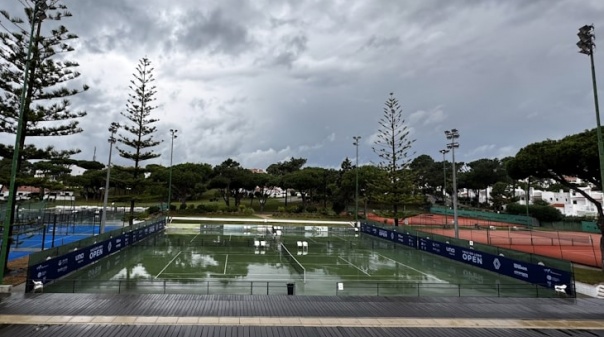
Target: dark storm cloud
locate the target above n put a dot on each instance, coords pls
(263, 81)
(211, 31)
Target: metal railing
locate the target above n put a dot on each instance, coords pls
(352, 288)
(421, 289)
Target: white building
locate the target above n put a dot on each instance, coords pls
(569, 203)
(59, 195)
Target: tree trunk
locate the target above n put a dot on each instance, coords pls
(131, 217)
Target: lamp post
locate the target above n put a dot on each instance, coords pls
(586, 46)
(356, 183)
(445, 151)
(37, 14)
(173, 135)
(113, 129)
(452, 135)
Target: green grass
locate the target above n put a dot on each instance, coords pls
(588, 275)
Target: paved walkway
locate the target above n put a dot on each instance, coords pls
(375, 322)
(241, 315)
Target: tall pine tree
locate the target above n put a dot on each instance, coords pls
(139, 131)
(393, 147)
(46, 104)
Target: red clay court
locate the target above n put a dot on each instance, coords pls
(578, 247)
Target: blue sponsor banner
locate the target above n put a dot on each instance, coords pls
(528, 272)
(58, 267)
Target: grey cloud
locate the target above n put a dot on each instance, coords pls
(264, 81)
(290, 50)
(212, 32)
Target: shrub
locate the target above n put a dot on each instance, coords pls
(230, 209)
(153, 209)
(338, 207)
(541, 212)
(281, 209)
(248, 211)
(183, 206)
(191, 206)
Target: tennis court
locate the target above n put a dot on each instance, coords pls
(249, 259)
(45, 237)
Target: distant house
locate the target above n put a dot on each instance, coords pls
(23, 192)
(59, 195)
(569, 203)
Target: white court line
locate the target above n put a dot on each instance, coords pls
(169, 263)
(351, 264)
(226, 262)
(195, 237)
(406, 266)
(339, 237)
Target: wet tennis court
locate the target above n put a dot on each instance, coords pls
(259, 260)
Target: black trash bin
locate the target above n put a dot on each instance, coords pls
(290, 288)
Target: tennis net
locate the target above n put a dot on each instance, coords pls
(293, 261)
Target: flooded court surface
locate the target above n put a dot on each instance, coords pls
(256, 260)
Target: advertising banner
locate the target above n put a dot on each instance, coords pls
(528, 272)
(58, 267)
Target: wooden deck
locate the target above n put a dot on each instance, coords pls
(99, 315)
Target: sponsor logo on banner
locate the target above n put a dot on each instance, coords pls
(118, 243)
(496, 264)
(450, 251)
(471, 257)
(79, 258)
(436, 247)
(96, 252)
(520, 270)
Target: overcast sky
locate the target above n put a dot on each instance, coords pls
(263, 81)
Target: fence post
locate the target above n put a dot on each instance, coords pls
(43, 235)
(54, 230)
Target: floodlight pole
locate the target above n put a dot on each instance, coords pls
(452, 135)
(38, 5)
(586, 46)
(356, 185)
(113, 129)
(444, 152)
(172, 135)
